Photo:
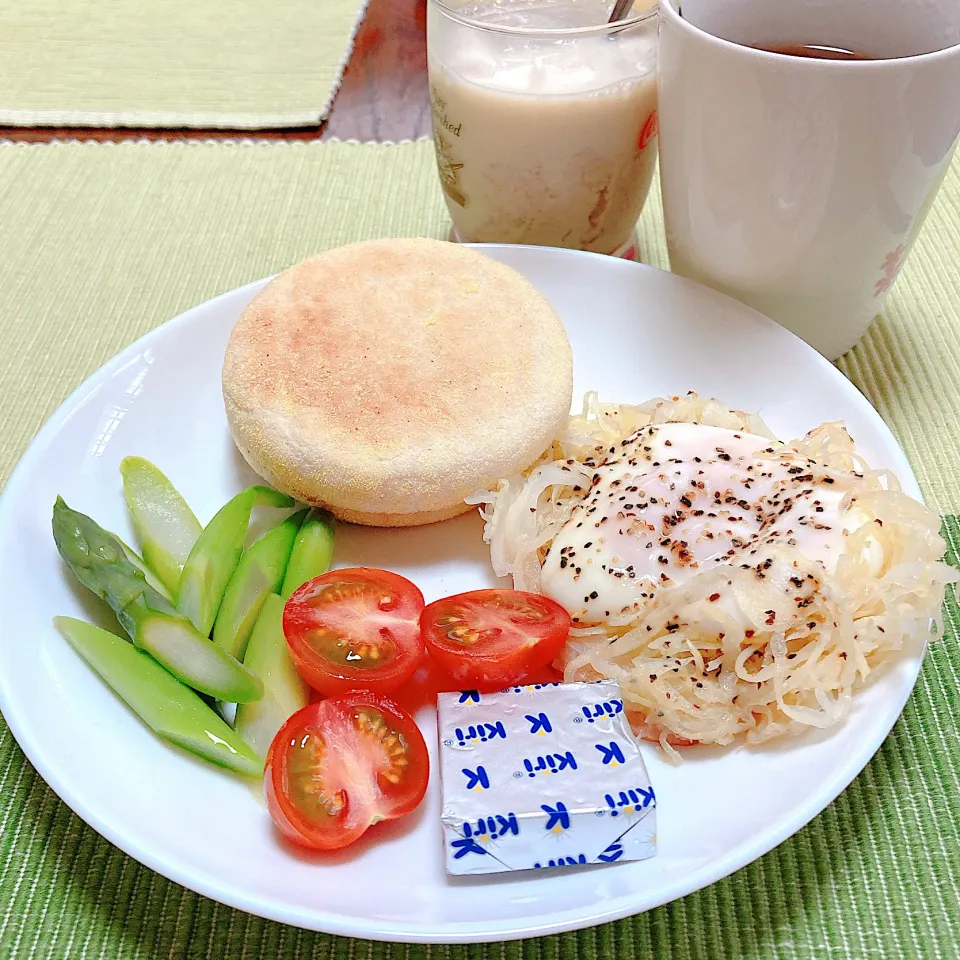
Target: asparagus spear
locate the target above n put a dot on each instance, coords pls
(170, 708)
(148, 574)
(195, 659)
(259, 574)
(165, 526)
(216, 554)
(98, 561)
(284, 692)
(312, 551)
(267, 653)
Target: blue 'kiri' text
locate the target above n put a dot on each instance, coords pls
(611, 753)
(486, 828)
(466, 845)
(551, 763)
(630, 801)
(481, 731)
(476, 779)
(612, 853)
(558, 817)
(539, 723)
(609, 708)
(494, 827)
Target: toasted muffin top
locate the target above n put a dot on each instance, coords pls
(395, 376)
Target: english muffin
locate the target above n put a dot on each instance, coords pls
(389, 380)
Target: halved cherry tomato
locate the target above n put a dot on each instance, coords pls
(337, 767)
(488, 639)
(356, 628)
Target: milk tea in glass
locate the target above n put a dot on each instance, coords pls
(544, 120)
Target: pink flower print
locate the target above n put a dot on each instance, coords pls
(891, 267)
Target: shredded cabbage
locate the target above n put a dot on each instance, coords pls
(691, 672)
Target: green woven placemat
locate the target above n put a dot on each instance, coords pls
(244, 64)
(102, 242)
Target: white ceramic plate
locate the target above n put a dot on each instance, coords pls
(636, 333)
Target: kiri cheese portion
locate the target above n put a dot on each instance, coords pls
(545, 775)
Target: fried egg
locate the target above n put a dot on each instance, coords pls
(675, 499)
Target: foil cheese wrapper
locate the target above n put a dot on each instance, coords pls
(544, 775)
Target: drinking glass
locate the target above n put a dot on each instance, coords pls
(544, 120)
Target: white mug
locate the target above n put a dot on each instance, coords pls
(795, 184)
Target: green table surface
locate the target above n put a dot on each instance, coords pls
(102, 242)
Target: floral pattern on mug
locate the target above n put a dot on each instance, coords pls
(891, 267)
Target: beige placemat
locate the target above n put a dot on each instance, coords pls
(99, 243)
(244, 64)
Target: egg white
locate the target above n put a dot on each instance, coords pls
(675, 499)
